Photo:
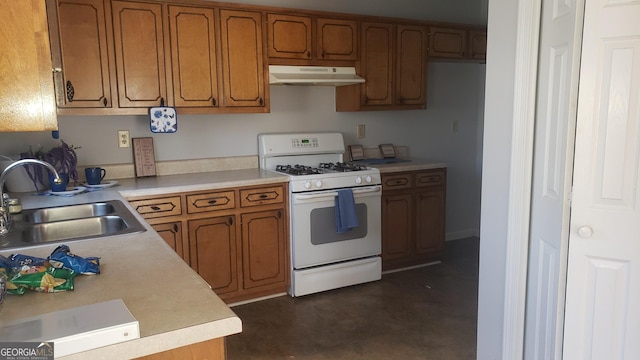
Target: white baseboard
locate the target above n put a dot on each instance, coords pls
(455, 235)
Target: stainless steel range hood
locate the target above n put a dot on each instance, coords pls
(313, 75)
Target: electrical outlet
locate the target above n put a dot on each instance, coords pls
(124, 141)
(360, 130)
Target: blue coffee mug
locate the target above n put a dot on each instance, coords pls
(59, 187)
(94, 175)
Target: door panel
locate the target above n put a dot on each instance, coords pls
(603, 280)
(555, 118)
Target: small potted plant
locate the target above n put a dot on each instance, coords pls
(62, 157)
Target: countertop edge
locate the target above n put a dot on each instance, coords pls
(409, 166)
(163, 342)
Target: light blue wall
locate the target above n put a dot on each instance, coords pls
(455, 93)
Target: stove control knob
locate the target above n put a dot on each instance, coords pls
(307, 184)
(368, 179)
(358, 180)
(319, 183)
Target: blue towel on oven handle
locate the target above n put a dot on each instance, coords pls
(346, 217)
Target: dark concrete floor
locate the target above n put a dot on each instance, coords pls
(423, 313)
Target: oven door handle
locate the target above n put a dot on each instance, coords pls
(369, 189)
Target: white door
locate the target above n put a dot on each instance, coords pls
(603, 281)
(559, 52)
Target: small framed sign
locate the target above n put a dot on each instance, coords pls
(356, 152)
(143, 157)
(388, 151)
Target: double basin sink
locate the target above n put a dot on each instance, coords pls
(71, 222)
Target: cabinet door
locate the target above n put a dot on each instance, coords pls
(139, 50)
(377, 64)
(337, 39)
(79, 49)
(411, 65)
(430, 222)
(263, 249)
(171, 233)
(214, 252)
(27, 100)
(289, 37)
(478, 44)
(242, 58)
(397, 228)
(194, 56)
(448, 43)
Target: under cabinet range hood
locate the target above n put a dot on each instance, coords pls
(313, 75)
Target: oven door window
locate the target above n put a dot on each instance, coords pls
(323, 225)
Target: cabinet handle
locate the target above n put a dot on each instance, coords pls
(213, 101)
(175, 228)
(213, 201)
(70, 91)
(279, 214)
(230, 220)
(56, 70)
(263, 196)
(309, 55)
(322, 54)
(105, 101)
(155, 208)
(261, 102)
(161, 101)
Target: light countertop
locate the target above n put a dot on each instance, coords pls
(411, 165)
(174, 306)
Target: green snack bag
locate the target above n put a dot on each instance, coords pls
(43, 278)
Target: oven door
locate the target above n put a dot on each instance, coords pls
(314, 239)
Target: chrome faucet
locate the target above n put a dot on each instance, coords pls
(6, 220)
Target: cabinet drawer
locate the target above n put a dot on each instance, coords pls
(261, 196)
(158, 207)
(219, 200)
(431, 178)
(397, 181)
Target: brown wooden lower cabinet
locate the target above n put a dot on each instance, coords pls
(413, 217)
(213, 349)
(236, 239)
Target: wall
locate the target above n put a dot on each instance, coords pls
(455, 94)
(498, 120)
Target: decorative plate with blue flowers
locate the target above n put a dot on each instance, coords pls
(163, 119)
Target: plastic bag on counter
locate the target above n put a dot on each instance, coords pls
(62, 257)
(43, 278)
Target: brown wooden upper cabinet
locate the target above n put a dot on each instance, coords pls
(242, 58)
(140, 54)
(292, 37)
(457, 43)
(393, 63)
(80, 55)
(194, 56)
(27, 100)
(478, 44)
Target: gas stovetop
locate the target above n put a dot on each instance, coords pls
(322, 168)
(314, 161)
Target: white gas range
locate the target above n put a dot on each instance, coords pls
(325, 255)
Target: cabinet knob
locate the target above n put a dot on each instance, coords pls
(230, 221)
(105, 102)
(213, 202)
(175, 228)
(309, 55)
(213, 101)
(263, 196)
(155, 208)
(261, 102)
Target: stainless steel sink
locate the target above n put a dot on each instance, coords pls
(68, 212)
(72, 222)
